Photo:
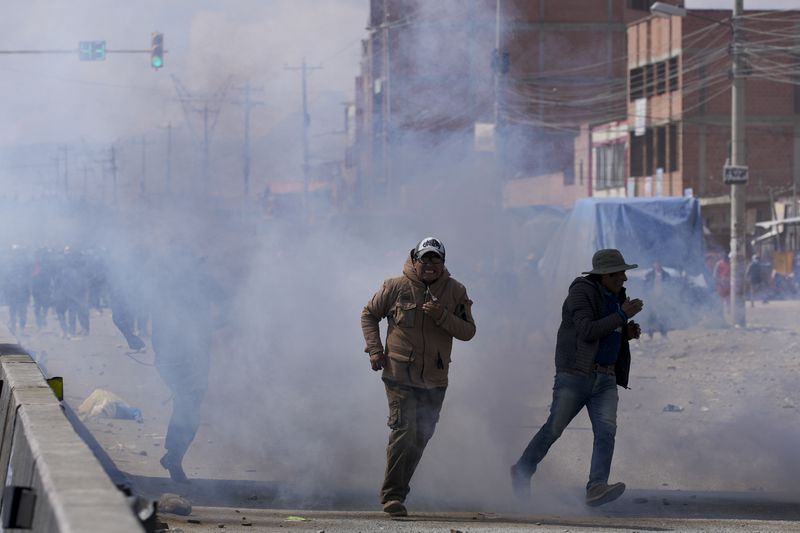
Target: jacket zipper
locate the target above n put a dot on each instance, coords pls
(422, 330)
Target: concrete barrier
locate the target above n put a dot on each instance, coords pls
(53, 483)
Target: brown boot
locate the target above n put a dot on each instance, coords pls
(395, 508)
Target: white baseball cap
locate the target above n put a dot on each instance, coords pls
(429, 244)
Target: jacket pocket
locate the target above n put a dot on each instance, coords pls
(405, 313)
(400, 353)
(395, 419)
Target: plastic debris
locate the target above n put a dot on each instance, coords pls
(296, 519)
(672, 408)
(105, 404)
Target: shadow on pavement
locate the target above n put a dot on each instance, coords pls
(256, 494)
(633, 504)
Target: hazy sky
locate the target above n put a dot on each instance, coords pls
(57, 98)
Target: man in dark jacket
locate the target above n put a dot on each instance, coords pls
(185, 301)
(592, 358)
(426, 309)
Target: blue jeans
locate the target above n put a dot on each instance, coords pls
(571, 392)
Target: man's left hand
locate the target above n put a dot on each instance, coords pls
(634, 330)
(433, 309)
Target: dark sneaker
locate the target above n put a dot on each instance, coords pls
(174, 468)
(602, 493)
(395, 508)
(521, 484)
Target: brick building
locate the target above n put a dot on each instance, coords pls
(679, 111)
(436, 77)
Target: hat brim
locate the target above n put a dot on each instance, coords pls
(611, 270)
(428, 249)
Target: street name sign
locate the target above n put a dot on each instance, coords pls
(735, 174)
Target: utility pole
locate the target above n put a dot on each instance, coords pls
(211, 107)
(206, 155)
(248, 104)
(66, 170)
(306, 122)
(738, 199)
(114, 174)
(386, 112)
(85, 179)
(501, 66)
(169, 159)
(57, 162)
(143, 175)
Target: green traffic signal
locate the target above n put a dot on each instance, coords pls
(157, 50)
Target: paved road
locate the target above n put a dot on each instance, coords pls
(247, 493)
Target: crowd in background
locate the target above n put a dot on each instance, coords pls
(67, 281)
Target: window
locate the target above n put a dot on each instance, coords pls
(610, 165)
(639, 5)
(661, 77)
(649, 168)
(673, 74)
(673, 147)
(637, 155)
(661, 146)
(636, 77)
(650, 80)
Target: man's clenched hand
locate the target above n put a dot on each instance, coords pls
(634, 330)
(378, 361)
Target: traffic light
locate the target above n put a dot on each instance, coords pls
(157, 50)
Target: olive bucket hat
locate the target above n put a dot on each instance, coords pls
(608, 261)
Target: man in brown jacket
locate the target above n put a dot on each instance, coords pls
(425, 308)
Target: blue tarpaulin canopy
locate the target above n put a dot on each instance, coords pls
(669, 230)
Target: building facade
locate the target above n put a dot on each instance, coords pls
(679, 110)
(499, 88)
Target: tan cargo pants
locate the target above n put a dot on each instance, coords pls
(413, 414)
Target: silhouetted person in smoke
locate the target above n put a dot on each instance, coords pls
(592, 358)
(17, 289)
(96, 278)
(658, 284)
(722, 281)
(184, 303)
(71, 294)
(426, 309)
(755, 280)
(42, 285)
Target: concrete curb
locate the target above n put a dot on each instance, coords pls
(53, 482)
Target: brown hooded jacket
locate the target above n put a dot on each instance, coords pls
(417, 346)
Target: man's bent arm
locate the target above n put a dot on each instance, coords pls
(459, 322)
(587, 327)
(375, 310)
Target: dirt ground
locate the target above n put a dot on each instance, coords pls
(707, 440)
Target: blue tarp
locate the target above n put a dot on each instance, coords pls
(669, 230)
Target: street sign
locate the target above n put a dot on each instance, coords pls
(735, 175)
(92, 50)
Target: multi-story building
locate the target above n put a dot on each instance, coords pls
(492, 87)
(679, 110)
